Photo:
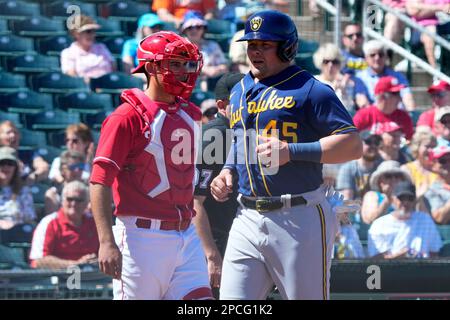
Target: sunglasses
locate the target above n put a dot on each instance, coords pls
(406, 198)
(351, 35)
(76, 166)
(89, 31)
(443, 161)
(335, 61)
(380, 54)
(76, 140)
(194, 27)
(79, 200)
(445, 122)
(438, 95)
(392, 94)
(373, 141)
(392, 176)
(9, 163)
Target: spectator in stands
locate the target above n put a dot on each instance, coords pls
(148, 24)
(209, 110)
(440, 96)
(391, 142)
(85, 58)
(350, 90)
(419, 169)
(173, 11)
(78, 138)
(387, 95)
(393, 26)
(233, 11)
(442, 126)
(353, 177)
(67, 237)
(32, 170)
(405, 233)
(16, 200)
(71, 168)
(215, 63)
(424, 13)
(353, 53)
(375, 54)
(438, 195)
(378, 201)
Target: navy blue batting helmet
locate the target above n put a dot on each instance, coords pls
(272, 25)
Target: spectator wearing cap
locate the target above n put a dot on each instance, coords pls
(391, 142)
(440, 97)
(404, 233)
(66, 237)
(376, 56)
(353, 53)
(84, 57)
(213, 220)
(387, 92)
(173, 11)
(214, 61)
(419, 169)
(442, 125)
(378, 201)
(16, 200)
(438, 195)
(148, 24)
(353, 177)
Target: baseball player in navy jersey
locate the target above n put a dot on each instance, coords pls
(286, 124)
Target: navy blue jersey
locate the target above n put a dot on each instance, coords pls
(302, 109)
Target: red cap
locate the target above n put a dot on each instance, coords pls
(388, 84)
(384, 127)
(440, 151)
(438, 87)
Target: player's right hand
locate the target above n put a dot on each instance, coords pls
(222, 185)
(110, 260)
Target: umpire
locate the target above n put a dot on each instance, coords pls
(214, 219)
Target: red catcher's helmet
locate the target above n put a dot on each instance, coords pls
(179, 60)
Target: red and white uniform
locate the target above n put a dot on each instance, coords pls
(139, 156)
(56, 236)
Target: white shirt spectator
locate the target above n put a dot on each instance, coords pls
(419, 234)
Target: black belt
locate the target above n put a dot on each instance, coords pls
(266, 204)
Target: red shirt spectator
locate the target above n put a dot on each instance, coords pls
(440, 97)
(387, 92)
(174, 10)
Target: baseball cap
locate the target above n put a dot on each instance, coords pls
(193, 18)
(440, 151)
(439, 87)
(404, 188)
(86, 23)
(149, 20)
(225, 84)
(388, 84)
(384, 127)
(8, 153)
(441, 112)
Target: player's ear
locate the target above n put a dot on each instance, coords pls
(149, 68)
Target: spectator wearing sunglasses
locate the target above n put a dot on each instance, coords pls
(353, 53)
(387, 93)
(419, 169)
(349, 90)
(404, 233)
(85, 58)
(68, 236)
(71, 168)
(16, 200)
(440, 97)
(78, 138)
(438, 195)
(376, 55)
(378, 201)
(353, 177)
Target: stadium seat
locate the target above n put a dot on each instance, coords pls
(125, 10)
(12, 45)
(307, 47)
(33, 63)
(84, 102)
(49, 153)
(198, 97)
(13, 117)
(4, 27)
(18, 234)
(115, 82)
(57, 138)
(32, 139)
(12, 258)
(51, 120)
(38, 27)
(115, 45)
(13, 9)
(24, 102)
(109, 27)
(38, 190)
(10, 82)
(94, 121)
(445, 250)
(58, 9)
(52, 46)
(306, 62)
(56, 82)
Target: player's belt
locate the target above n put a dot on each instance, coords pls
(266, 204)
(165, 225)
